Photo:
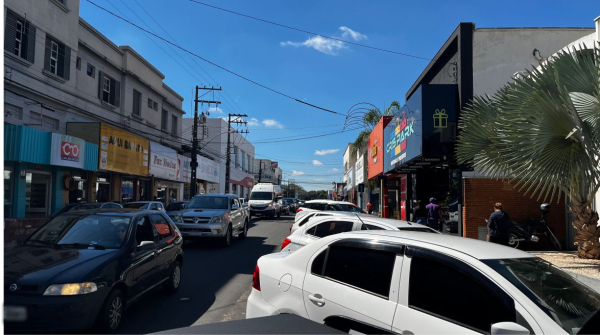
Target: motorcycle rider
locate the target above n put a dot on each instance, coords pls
(499, 225)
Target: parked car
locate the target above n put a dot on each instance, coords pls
(217, 216)
(83, 268)
(286, 207)
(151, 205)
(85, 205)
(326, 205)
(323, 226)
(292, 203)
(265, 200)
(410, 282)
(174, 210)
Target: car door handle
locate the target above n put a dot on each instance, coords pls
(317, 299)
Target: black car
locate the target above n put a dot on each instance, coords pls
(82, 268)
(85, 205)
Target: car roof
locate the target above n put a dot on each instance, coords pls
(143, 202)
(108, 211)
(475, 248)
(326, 201)
(215, 195)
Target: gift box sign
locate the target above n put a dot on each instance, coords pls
(440, 119)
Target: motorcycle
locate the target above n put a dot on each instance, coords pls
(533, 231)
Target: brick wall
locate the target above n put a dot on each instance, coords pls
(480, 194)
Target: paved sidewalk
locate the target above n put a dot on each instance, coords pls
(585, 270)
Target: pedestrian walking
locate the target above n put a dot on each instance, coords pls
(499, 225)
(433, 213)
(369, 207)
(420, 213)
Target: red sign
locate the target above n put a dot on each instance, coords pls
(376, 148)
(69, 151)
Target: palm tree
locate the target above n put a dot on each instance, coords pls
(368, 119)
(543, 132)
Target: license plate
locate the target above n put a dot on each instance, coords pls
(15, 313)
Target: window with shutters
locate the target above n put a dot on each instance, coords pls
(58, 58)
(137, 103)
(173, 125)
(164, 120)
(19, 37)
(109, 90)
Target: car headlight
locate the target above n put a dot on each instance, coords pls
(270, 205)
(71, 289)
(216, 219)
(177, 219)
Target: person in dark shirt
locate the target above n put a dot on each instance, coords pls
(433, 214)
(499, 225)
(420, 213)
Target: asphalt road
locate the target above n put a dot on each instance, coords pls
(216, 282)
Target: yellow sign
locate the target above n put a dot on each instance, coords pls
(122, 151)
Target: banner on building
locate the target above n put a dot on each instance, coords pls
(185, 170)
(350, 179)
(67, 151)
(359, 170)
(164, 163)
(122, 151)
(208, 170)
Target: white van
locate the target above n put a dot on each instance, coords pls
(265, 200)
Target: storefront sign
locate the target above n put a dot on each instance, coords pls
(359, 169)
(185, 169)
(350, 178)
(122, 151)
(208, 170)
(67, 151)
(376, 150)
(163, 162)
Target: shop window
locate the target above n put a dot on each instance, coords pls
(127, 191)
(37, 195)
(8, 193)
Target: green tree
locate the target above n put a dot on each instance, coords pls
(543, 132)
(369, 120)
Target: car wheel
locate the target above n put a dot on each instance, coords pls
(512, 241)
(111, 313)
(244, 232)
(172, 285)
(226, 240)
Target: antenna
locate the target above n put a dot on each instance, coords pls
(358, 216)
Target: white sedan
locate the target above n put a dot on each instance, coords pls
(322, 226)
(415, 283)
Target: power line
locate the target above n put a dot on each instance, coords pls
(215, 64)
(309, 32)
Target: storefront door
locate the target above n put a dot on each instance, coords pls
(37, 195)
(102, 188)
(127, 194)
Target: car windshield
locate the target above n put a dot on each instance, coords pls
(70, 230)
(569, 303)
(350, 208)
(138, 205)
(261, 196)
(208, 203)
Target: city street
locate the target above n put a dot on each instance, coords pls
(215, 285)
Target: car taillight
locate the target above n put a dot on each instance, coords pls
(286, 242)
(299, 210)
(256, 279)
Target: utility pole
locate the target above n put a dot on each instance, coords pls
(259, 170)
(194, 163)
(228, 161)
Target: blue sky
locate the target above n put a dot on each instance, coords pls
(326, 73)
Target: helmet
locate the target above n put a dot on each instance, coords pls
(545, 207)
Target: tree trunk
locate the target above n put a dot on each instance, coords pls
(585, 221)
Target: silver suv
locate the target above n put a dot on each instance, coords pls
(214, 216)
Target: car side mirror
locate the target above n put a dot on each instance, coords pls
(508, 328)
(234, 207)
(146, 245)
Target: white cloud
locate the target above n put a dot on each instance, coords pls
(215, 110)
(297, 173)
(253, 122)
(355, 35)
(326, 45)
(335, 170)
(326, 152)
(317, 163)
(270, 123)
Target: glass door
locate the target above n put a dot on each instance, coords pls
(37, 195)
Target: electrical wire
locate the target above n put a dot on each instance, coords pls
(309, 32)
(215, 64)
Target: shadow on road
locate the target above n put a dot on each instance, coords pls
(206, 269)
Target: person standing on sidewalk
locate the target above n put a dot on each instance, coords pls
(420, 213)
(369, 207)
(433, 213)
(499, 225)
